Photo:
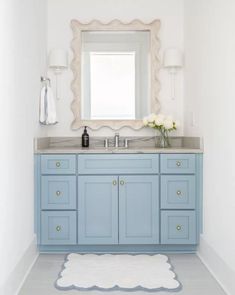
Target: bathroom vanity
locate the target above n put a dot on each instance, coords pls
(126, 200)
(133, 198)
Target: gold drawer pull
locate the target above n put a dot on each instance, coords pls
(179, 193)
(57, 164)
(58, 228)
(178, 163)
(114, 182)
(122, 182)
(58, 193)
(179, 227)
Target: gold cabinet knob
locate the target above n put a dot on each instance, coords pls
(58, 228)
(57, 164)
(122, 182)
(178, 163)
(179, 193)
(58, 193)
(114, 182)
(178, 227)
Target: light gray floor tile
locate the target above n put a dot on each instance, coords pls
(193, 275)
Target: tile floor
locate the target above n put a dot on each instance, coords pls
(193, 275)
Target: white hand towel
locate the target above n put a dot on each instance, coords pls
(51, 108)
(47, 107)
(42, 106)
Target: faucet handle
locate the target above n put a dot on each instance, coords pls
(106, 143)
(116, 140)
(126, 142)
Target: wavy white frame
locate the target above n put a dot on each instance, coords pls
(115, 25)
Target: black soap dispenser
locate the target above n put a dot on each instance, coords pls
(85, 138)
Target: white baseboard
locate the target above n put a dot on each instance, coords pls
(224, 275)
(16, 279)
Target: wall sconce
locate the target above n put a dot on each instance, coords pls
(58, 62)
(173, 60)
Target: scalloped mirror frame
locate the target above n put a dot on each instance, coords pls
(115, 25)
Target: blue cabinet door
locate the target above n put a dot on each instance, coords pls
(139, 209)
(97, 210)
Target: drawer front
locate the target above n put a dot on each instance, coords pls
(58, 228)
(118, 164)
(178, 227)
(58, 192)
(58, 164)
(178, 192)
(178, 163)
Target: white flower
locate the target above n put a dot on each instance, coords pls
(168, 124)
(145, 121)
(159, 120)
(152, 117)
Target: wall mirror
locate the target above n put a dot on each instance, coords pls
(115, 69)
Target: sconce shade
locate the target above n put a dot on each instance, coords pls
(173, 58)
(58, 59)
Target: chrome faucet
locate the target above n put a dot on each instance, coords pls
(116, 140)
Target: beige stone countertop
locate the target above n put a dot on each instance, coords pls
(79, 150)
(72, 146)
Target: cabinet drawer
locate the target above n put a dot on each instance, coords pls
(178, 227)
(118, 164)
(58, 192)
(178, 163)
(178, 192)
(58, 164)
(58, 228)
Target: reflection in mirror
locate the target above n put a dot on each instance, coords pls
(115, 75)
(109, 71)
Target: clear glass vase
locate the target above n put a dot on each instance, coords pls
(162, 140)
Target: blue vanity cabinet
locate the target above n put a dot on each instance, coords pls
(97, 210)
(118, 202)
(139, 209)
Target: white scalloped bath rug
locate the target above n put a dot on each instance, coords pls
(117, 272)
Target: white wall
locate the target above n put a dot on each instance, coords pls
(210, 94)
(60, 13)
(22, 61)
